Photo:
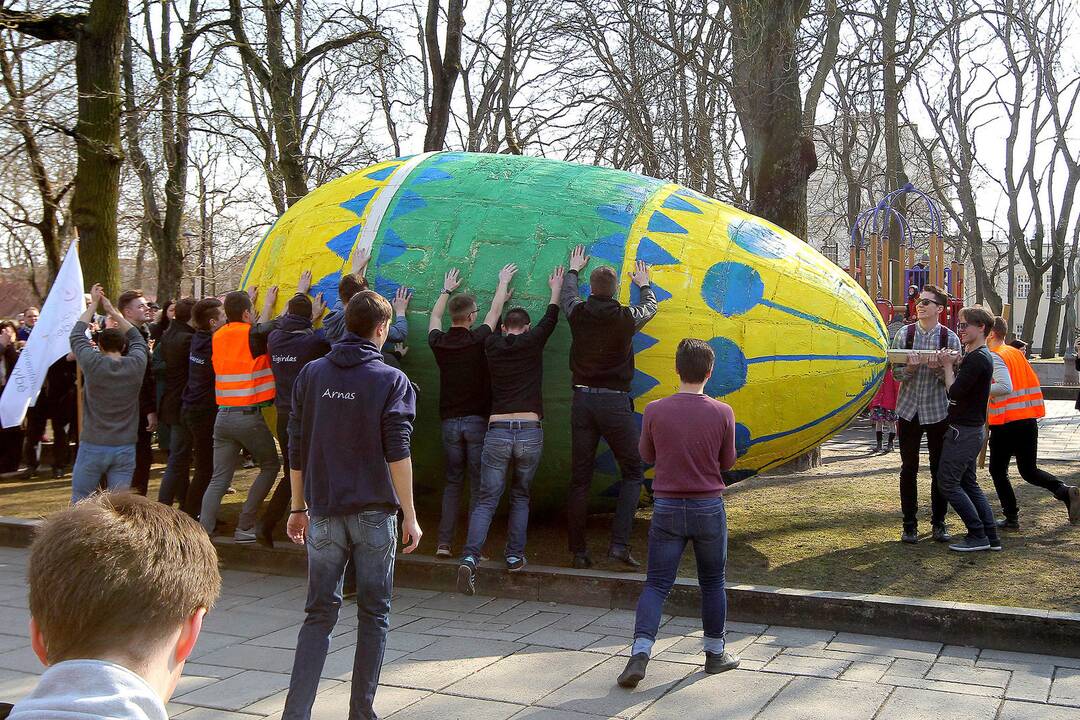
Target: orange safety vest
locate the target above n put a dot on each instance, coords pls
(240, 380)
(1026, 399)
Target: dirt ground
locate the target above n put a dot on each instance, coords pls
(836, 527)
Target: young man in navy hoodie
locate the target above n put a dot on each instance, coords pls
(293, 345)
(349, 434)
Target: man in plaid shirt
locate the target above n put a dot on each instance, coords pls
(921, 408)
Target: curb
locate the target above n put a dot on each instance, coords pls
(1044, 632)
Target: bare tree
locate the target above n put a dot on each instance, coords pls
(445, 66)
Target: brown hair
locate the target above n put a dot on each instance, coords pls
(349, 285)
(517, 318)
(940, 296)
(126, 298)
(461, 307)
(111, 340)
(236, 304)
(182, 309)
(694, 360)
(978, 315)
(203, 311)
(1001, 327)
(366, 311)
(118, 573)
(603, 281)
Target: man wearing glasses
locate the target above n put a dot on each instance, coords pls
(464, 391)
(921, 408)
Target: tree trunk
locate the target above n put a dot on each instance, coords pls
(445, 69)
(97, 130)
(768, 100)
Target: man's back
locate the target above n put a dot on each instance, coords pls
(688, 464)
(516, 366)
(175, 351)
(110, 388)
(292, 346)
(464, 387)
(351, 415)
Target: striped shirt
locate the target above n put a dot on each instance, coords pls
(922, 388)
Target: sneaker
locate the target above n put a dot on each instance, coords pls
(244, 537)
(443, 551)
(909, 536)
(941, 533)
(30, 473)
(1008, 524)
(623, 555)
(1074, 505)
(57, 473)
(635, 671)
(995, 545)
(515, 563)
(720, 662)
(466, 579)
(581, 561)
(970, 544)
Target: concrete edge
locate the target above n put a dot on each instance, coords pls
(1044, 632)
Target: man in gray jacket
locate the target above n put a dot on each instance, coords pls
(111, 383)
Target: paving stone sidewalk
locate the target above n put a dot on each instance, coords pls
(481, 658)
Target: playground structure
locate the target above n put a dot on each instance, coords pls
(870, 260)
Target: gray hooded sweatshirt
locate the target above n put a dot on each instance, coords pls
(89, 690)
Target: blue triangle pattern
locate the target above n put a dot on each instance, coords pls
(386, 287)
(643, 342)
(661, 293)
(610, 248)
(392, 248)
(642, 383)
(328, 286)
(342, 244)
(674, 202)
(618, 214)
(382, 173)
(659, 222)
(408, 202)
(446, 157)
(649, 251)
(430, 174)
(359, 203)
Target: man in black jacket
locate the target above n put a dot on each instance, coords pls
(292, 346)
(136, 310)
(602, 363)
(175, 347)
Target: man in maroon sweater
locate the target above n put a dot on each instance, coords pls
(689, 506)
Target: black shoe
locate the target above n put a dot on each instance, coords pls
(581, 561)
(264, 536)
(635, 671)
(890, 447)
(466, 579)
(624, 557)
(30, 473)
(909, 536)
(720, 662)
(995, 545)
(516, 563)
(941, 533)
(970, 544)
(1008, 524)
(57, 473)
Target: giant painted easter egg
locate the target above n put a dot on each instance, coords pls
(799, 348)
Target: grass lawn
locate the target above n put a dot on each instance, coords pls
(833, 528)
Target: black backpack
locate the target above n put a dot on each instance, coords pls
(909, 341)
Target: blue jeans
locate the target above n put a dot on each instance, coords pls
(175, 481)
(115, 462)
(463, 441)
(521, 448)
(369, 539)
(960, 483)
(674, 523)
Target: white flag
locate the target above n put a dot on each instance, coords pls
(48, 340)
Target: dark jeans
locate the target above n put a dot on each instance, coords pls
(959, 480)
(911, 433)
(368, 538)
(1019, 438)
(36, 418)
(175, 482)
(463, 442)
(515, 451)
(675, 522)
(279, 501)
(609, 416)
(10, 448)
(200, 423)
(144, 458)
